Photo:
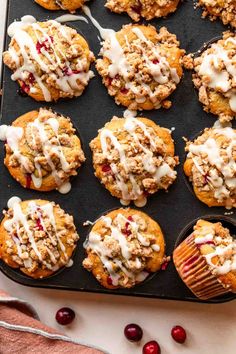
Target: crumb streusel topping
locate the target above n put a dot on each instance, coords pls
(135, 159)
(215, 71)
(46, 56)
(217, 246)
(139, 68)
(225, 9)
(36, 237)
(214, 163)
(44, 147)
(124, 247)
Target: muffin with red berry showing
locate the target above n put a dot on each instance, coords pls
(211, 166)
(225, 10)
(147, 9)
(37, 237)
(206, 260)
(133, 158)
(123, 248)
(49, 60)
(42, 150)
(70, 5)
(141, 67)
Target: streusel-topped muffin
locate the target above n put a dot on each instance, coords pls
(215, 77)
(148, 9)
(134, 157)
(141, 67)
(123, 248)
(206, 260)
(211, 166)
(37, 237)
(70, 5)
(49, 60)
(42, 150)
(223, 9)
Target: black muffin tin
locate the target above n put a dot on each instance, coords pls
(88, 199)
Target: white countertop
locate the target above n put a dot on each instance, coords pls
(101, 319)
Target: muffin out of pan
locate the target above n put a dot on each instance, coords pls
(147, 9)
(134, 157)
(123, 248)
(42, 150)
(70, 5)
(37, 237)
(223, 9)
(206, 260)
(211, 166)
(141, 67)
(214, 77)
(48, 59)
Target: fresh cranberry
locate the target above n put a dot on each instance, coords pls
(39, 225)
(106, 168)
(65, 316)
(28, 180)
(124, 91)
(43, 45)
(31, 78)
(133, 332)
(165, 265)
(109, 280)
(25, 88)
(155, 61)
(67, 71)
(178, 334)
(151, 347)
(130, 218)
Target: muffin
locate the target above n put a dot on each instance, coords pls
(140, 67)
(214, 76)
(123, 248)
(37, 237)
(49, 60)
(211, 166)
(134, 157)
(206, 260)
(223, 9)
(148, 9)
(70, 5)
(42, 150)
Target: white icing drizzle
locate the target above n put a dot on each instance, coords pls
(119, 65)
(12, 201)
(95, 244)
(222, 175)
(136, 194)
(20, 219)
(13, 136)
(220, 77)
(27, 49)
(70, 18)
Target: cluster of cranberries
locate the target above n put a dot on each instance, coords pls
(134, 333)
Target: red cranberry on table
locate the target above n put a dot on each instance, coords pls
(178, 334)
(133, 332)
(65, 316)
(151, 347)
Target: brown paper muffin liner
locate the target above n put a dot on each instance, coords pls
(195, 272)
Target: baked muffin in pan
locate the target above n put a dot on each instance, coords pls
(42, 150)
(123, 248)
(147, 9)
(141, 67)
(223, 9)
(206, 260)
(70, 5)
(211, 166)
(49, 60)
(134, 157)
(215, 76)
(37, 237)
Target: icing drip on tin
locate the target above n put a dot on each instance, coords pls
(221, 176)
(125, 264)
(19, 224)
(46, 56)
(156, 172)
(220, 67)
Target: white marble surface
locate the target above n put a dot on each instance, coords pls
(100, 319)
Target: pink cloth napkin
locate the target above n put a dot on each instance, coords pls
(22, 332)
